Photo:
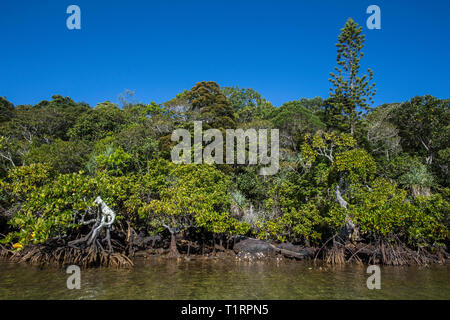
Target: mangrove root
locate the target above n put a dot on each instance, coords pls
(104, 220)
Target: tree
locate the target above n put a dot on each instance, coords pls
(193, 196)
(137, 140)
(213, 107)
(6, 110)
(246, 103)
(352, 92)
(382, 134)
(114, 161)
(96, 124)
(31, 126)
(48, 208)
(383, 210)
(294, 120)
(382, 176)
(62, 156)
(294, 224)
(350, 166)
(423, 124)
(67, 111)
(178, 106)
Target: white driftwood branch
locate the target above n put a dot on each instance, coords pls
(105, 218)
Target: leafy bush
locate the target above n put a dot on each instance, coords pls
(48, 210)
(115, 161)
(61, 156)
(383, 210)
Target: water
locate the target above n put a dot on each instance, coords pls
(216, 279)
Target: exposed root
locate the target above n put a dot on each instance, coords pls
(335, 255)
(49, 255)
(395, 253)
(334, 251)
(384, 252)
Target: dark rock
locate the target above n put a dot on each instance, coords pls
(259, 249)
(290, 247)
(146, 241)
(304, 251)
(152, 239)
(253, 246)
(141, 253)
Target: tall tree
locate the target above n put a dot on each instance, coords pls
(214, 108)
(352, 91)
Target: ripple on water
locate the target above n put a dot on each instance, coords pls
(209, 279)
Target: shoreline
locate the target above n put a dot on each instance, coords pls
(44, 255)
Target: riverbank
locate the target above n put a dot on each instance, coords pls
(245, 249)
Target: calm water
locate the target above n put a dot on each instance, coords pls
(208, 279)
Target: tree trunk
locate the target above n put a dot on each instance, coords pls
(307, 242)
(173, 251)
(203, 244)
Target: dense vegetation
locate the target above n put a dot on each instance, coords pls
(385, 169)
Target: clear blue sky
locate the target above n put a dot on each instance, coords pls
(283, 49)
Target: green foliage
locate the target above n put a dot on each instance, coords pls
(296, 115)
(25, 179)
(397, 166)
(96, 124)
(193, 196)
(6, 110)
(49, 210)
(53, 209)
(423, 124)
(381, 134)
(432, 222)
(238, 198)
(294, 119)
(45, 121)
(285, 192)
(302, 222)
(355, 165)
(61, 156)
(113, 160)
(417, 176)
(380, 210)
(294, 224)
(247, 103)
(137, 141)
(214, 108)
(324, 144)
(383, 210)
(250, 185)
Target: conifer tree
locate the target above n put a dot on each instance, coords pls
(352, 91)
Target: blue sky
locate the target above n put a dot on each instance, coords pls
(283, 49)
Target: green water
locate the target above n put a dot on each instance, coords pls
(211, 279)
